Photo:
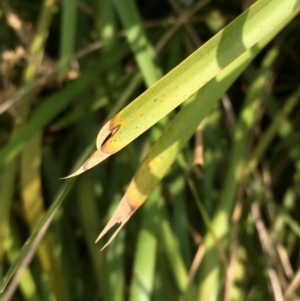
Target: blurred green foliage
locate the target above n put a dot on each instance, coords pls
(66, 67)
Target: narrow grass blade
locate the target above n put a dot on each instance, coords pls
(138, 41)
(172, 252)
(141, 286)
(29, 248)
(27, 285)
(90, 222)
(68, 34)
(180, 221)
(107, 26)
(33, 204)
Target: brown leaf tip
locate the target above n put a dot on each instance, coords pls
(122, 214)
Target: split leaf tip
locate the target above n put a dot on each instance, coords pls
(99, 155)
(122, 214)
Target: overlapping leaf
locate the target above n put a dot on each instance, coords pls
(212, 60)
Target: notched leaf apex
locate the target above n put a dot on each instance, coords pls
(122, 214)
(99, 155)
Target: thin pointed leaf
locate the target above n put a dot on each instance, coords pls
(198, 69)
(164, 152)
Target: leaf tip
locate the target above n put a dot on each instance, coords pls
(97, 157)
(122, 214)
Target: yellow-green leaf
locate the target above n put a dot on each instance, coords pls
(165, 150)
(189, 76)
